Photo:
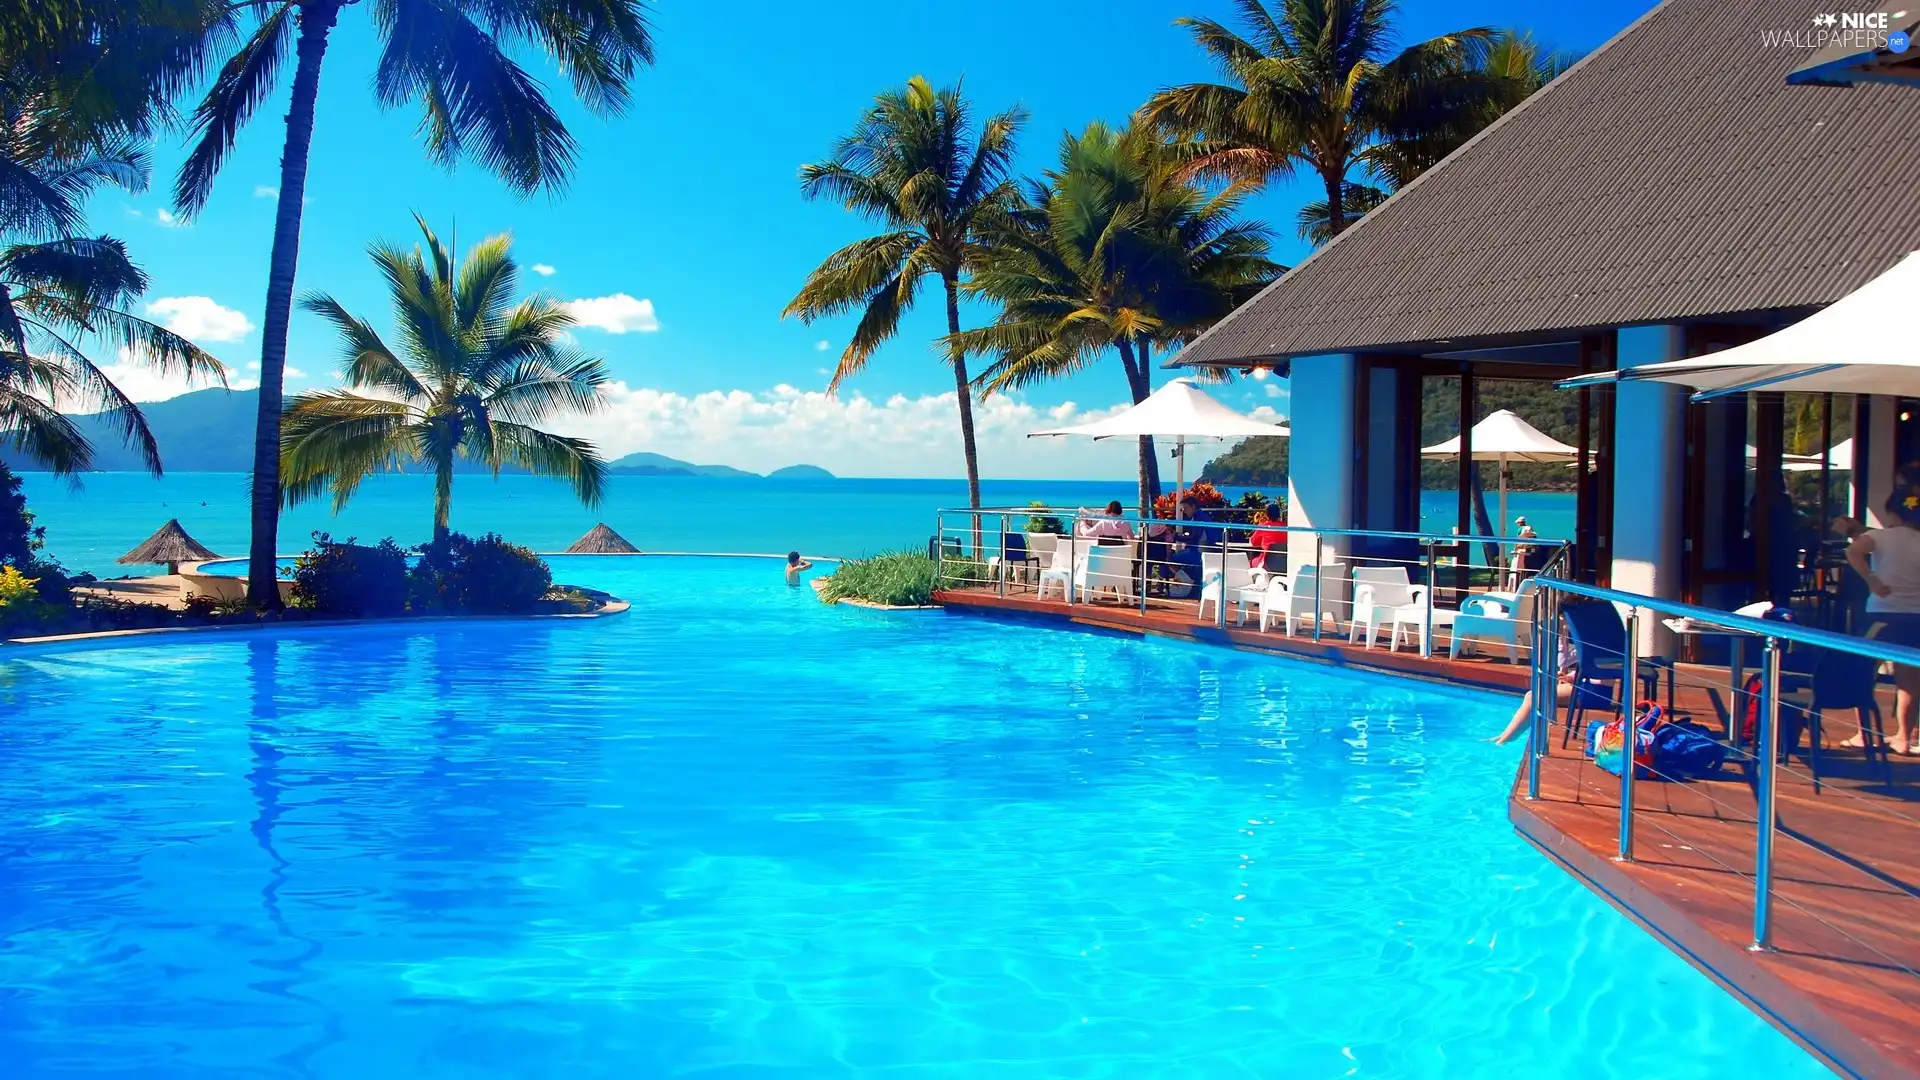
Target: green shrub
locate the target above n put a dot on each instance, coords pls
(488, 576)
(345, 578)
(1045, 523)
(896, 578)
(21, 542)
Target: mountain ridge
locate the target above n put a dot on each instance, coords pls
(211, 430)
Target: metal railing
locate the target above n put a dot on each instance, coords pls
(1766, 760)
(1171, 555)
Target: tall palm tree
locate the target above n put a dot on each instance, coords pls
(1511, 68)
(477, 370)
(1112, 250)
(453, 57)
(1314, 83)
(61, 290)
(913, 166)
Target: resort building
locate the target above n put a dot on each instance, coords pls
(1670, 196)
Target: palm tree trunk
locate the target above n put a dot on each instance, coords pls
(1139, 386)
(1336, 209)
(316, 21)
(964, 393)
(442, 501)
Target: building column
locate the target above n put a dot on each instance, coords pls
(1649, 466)
(1321, 453)
(1876, 466)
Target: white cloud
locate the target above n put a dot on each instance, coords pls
(1275, 390)
(855, 435)
(200, 318)
(616, 314)
(264, 191)
(253, 365)
(141, 382)
(821, 346)
(166, 219)
(543, 269)
(292, 372)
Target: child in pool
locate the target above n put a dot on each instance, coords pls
(795, 567)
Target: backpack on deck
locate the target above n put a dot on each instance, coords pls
(1682, 749)
(1606, 741)
(1792, 721)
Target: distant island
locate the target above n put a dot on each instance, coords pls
(212, 431)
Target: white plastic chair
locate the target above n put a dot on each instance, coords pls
(1058, 572)
(1232, 583)
(1105, 567)
(1292, 597)
(1041, 545)
(1496, 617)
(1378, 592)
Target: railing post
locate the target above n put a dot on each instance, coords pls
(939, 550)
(1543, 699)
(1073, 557)
(1005, 567)
(1630, 727)
(1146, 563)
(1319, 567)
(1769, 739)
(1426, 632)
(1220, 605)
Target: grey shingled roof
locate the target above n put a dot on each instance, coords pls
(1672, 174)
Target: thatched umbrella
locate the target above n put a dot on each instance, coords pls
(601, 540)
(171, 545)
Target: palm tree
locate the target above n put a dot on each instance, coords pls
(452, 56)
(1112, 250)
(912, 165)
(479, 371)
(1315, 83)
(60, 289)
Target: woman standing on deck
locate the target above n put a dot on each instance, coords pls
(1888, 560)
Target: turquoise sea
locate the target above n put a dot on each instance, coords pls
(91, 526)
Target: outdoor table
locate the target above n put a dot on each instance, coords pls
(1736, 650)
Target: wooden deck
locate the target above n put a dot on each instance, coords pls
(1841, 978)
(1180, 619)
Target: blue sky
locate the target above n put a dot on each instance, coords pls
(684, 218)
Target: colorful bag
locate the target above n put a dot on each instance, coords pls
(1607, 745)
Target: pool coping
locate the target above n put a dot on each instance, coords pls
(820, 590)
(614, 606)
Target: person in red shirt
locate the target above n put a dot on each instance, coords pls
(1271, 534)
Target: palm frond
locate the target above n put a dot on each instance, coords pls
(39, 431)
(243, 85)
(546, 454)
(370, 364)
(333, 440)
(483, 104)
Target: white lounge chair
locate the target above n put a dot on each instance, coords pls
(1059, 571)
(1379, 592)
(1230, 576)
(1106, 567)
(1498, 617)
(1292, 597)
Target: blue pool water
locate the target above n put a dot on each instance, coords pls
(737, 834)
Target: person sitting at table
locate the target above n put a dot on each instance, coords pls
(1107, 528)
(1183, 557)
(1271, 534)
(1888, 560)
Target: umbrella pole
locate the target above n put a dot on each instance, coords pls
(1500, 528)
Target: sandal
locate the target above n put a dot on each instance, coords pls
(1858, 742)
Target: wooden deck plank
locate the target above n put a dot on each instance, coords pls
(1840, 978)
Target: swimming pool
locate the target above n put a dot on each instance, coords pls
(736, 833)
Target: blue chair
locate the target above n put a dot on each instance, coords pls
(1014, 552)
(1839, 680)
(1599, 639)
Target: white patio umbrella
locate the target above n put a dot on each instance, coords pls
(1505, 438)
(1179, 411)
(1862, 343)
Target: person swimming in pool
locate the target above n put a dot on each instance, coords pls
(795, 567)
